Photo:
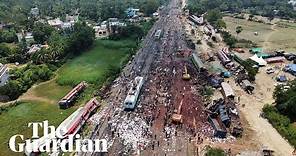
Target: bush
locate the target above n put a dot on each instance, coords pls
(229, 39)
(8, 36)
(285, 100)
(210, 44)
(215, 152)
(22, 79)
(130, 31)
(281, 123)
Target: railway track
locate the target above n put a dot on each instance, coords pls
(147, 56)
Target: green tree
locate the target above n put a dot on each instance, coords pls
(238, 30)
(82, 37)
(215, 152)
(41, 32)
(8, 36)
(213, 16)
(150, 7)
(285, 100)
(220, 24)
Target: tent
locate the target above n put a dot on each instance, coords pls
(256, 50)
(263, 55)
(259, 60)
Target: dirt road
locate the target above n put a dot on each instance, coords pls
(266, 135)
(267, 43)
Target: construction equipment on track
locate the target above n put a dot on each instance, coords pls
(177, 117)
(186, 76)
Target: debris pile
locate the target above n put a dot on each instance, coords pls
(224, 118)
(133, 132)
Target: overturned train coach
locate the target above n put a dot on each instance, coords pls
(133, 94)
(197, 62)
(70, 126)
(75, 121)
(68, 100)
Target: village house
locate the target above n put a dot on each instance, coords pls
(28, 36)
(35, 48)
(131, 12)
(4, 76)
(72, 19)
(101, 31)
(113, 24)
(209, 30)
(67, 25)
(56, 23)
(34, 12)
(197, 20)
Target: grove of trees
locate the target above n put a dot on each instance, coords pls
(18, 11)
(22, 79)
(44, 62)
(269, 8)
(286, 100)
(282, 115)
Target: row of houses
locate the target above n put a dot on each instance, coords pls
(105, 28)
(67, 24)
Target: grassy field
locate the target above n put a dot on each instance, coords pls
(40, 102)
(270, 37)
(51, 90)
(92, 65)
(15, 120)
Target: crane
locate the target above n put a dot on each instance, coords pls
(186, 76)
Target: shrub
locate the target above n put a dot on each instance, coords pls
(215, 152)
(22, 79)
(229, 39)
(281, 123)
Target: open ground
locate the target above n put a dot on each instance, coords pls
(278, 35)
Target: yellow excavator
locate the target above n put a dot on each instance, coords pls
(177, 117)
(186, 76)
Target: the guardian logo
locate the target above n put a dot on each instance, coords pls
(52, 141)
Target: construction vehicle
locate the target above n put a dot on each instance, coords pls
(186, 76)
(177, 117)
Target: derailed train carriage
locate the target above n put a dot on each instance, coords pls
(70, 126)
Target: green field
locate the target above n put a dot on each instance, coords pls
(41, 100)
(51, 90)
(15, 120)
(270, 37)
(92, 65)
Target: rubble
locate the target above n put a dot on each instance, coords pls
(133, 132)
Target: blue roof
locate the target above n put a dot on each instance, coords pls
(282, 78)
(292, 67)
(257, 50)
